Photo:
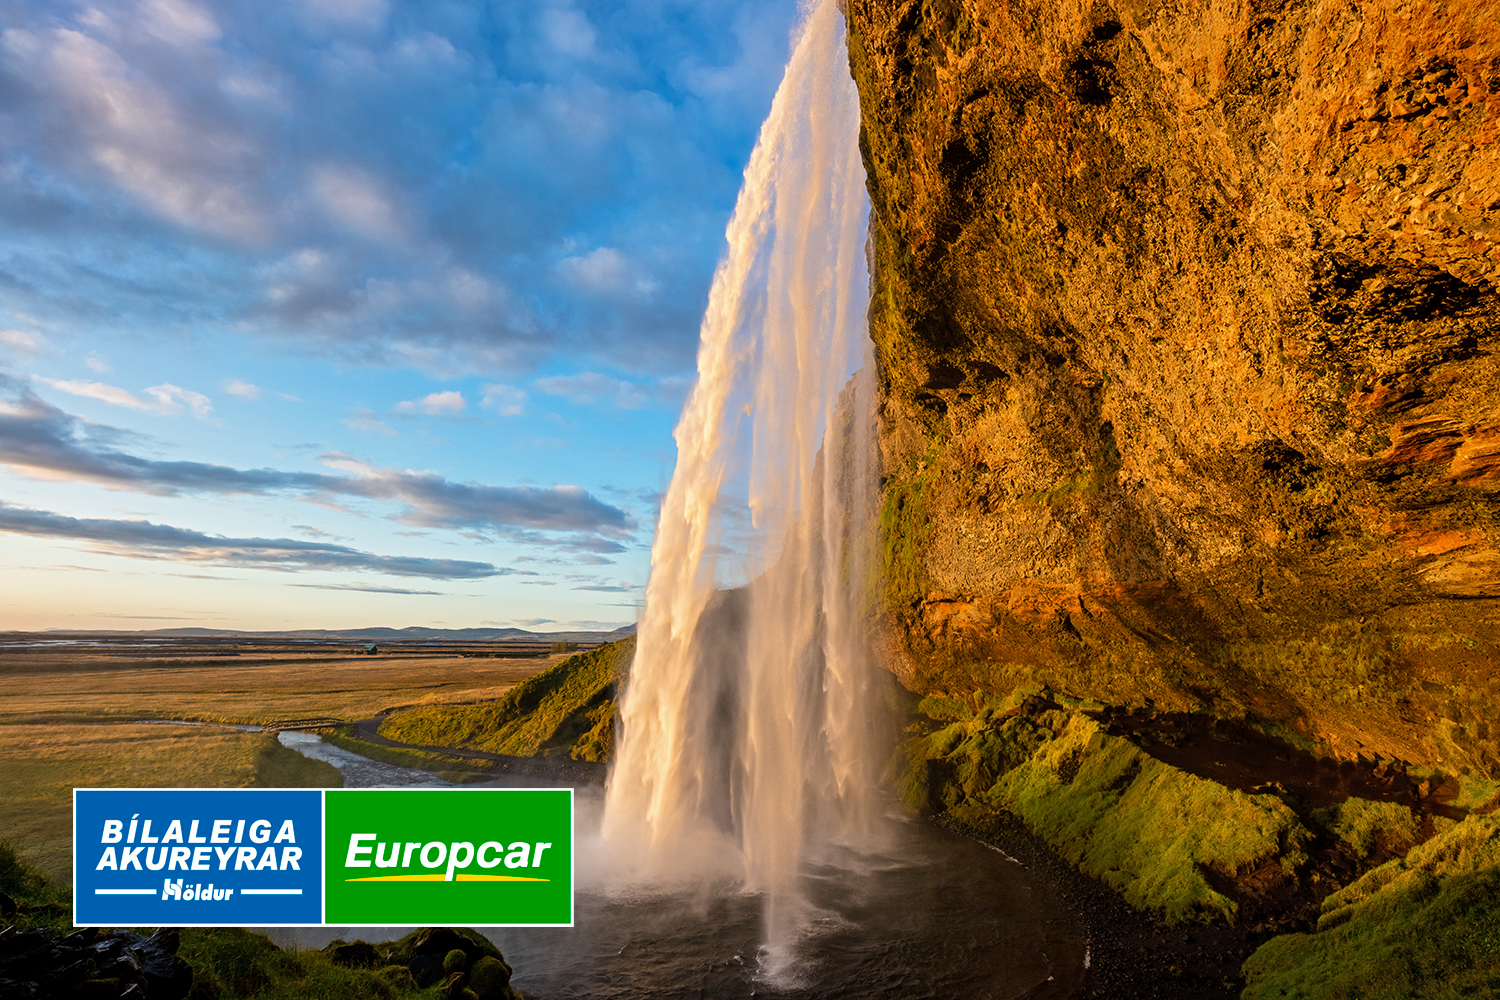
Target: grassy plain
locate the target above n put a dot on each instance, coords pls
(91, 687)
(71, 719)
(44, 763)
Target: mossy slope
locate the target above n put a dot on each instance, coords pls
(1423, 926)
(1148, 830)
(565, 711)
(1145, 828)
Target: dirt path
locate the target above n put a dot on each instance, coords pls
(577, 771)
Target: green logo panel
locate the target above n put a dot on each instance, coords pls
(472, 856)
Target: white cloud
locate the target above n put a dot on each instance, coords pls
(426, 50)
(253, 89)
(469, 290)
(608, 272)
(22, 343)
(244, 390)
(171, 399)
(98, 390)
(165, 400)
(619, 587)
(96, 363)
(145, 141)
(504, 400)
(568, 31)
(179, 22)
(590, 388)
(368, 421)
(357, 200)
(437, 404)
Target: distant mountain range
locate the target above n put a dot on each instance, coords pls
(413, 633)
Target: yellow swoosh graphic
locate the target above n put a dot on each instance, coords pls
(439, 878)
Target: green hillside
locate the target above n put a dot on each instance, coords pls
(566, 711)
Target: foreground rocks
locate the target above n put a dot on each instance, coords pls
(92, 965)
(459, 962)
(41, 964)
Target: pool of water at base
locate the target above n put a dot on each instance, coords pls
(930, 915)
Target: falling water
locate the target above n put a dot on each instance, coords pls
(747, 721)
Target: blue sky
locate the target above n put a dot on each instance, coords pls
(334, 313)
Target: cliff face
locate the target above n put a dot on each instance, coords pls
(1186, 318)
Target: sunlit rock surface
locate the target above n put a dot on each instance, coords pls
(1185, 316)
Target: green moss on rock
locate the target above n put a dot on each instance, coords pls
(1146, 828)
(1424, 926)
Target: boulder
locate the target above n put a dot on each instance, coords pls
(352, 955)
(92, 963)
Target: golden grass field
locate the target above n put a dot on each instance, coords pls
(69, 720)
(94, 688)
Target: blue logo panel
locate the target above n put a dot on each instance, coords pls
(197, 857)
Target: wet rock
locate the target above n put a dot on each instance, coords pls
(490, 980)
(169, 977)
(425, 952)
(399, 976)
(92, 963)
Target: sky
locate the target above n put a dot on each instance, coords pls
(344, 313)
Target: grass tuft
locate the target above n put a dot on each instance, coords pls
(39, 902)
(1366, 825)
(233, 963)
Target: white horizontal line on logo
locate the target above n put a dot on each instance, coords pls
(126, 892)
(270, 892)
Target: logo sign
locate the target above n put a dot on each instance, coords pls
(298, 857)
(473, 856)
(197, 857)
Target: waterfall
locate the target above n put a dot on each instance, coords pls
(747, 721)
